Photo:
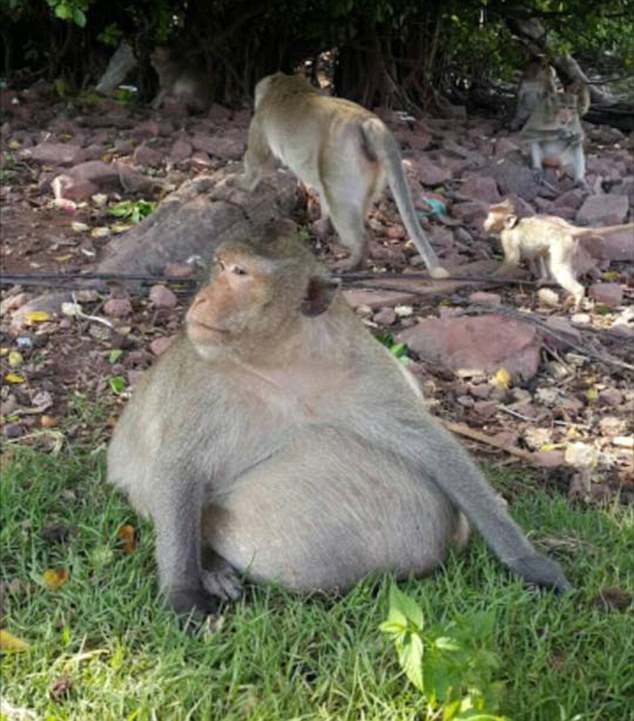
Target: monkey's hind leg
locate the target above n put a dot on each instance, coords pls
(560, 266)
(348, 221)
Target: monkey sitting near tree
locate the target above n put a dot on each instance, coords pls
(343, 151)
(279, 434)
(538, 80)
(185, 85)
(548, 242)
(553, 131)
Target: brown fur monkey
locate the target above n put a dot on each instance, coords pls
(189, 87)
(277, 432)
(337, 147)
(545, 240)
(538, 80)
(553, 131)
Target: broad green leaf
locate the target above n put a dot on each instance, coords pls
(118, 384)
(114, 355)
(399, 601)
(411, 659)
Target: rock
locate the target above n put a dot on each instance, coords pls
(13, 430)
(201, 161)
(513, 177)
(612, 426)
(548, 298)
(145, 130)
(581, 455)
(607, 209)
(181, 151)
(431, 174)
(377, 298)
(581, 318)
(503, 146)
(571, 198)
(481, 296)
(162, 297)
(117, 307)
(611, 397)
(178, 270)
(480, 188)
(485, 343)
(145, 155)
(615, 246)
(85, 179)
(223, 148)
(486, 409)
(161, 344)
(385, 316)
(610, 294)
(562, 327)
(470, 212)
(13, 302)
(53, 153)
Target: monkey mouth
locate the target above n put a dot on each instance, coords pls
(194, 324)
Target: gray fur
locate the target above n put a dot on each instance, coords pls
(305, 458)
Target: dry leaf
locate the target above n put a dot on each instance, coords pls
(15, 359)
(127, 535)
(13, 378)
(55, 578)
(502, 379)
(9, 642)
(37, 316)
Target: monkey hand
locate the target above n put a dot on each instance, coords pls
(194, 601)
(541, 571)
(223, 584)
(438, 272)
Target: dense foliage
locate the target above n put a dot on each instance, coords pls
(403, 52)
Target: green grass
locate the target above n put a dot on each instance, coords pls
(277, 656)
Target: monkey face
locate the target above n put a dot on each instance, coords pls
(498, 217)
(231, 303)
(567, 111)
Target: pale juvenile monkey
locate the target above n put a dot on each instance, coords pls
(553, 131)
(277, 432)
(345, 152)
(549, 244)
(188, 86)
(538, 79)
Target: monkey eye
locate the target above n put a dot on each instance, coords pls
(238, 270)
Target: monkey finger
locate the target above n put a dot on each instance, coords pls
(223, 584)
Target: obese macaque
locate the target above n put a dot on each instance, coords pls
(538, 79)
(553, 131)
(343, 151)
(180, 82)
(547, 242)
(279, 434)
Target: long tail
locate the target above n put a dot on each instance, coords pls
(604, 230)
(382, 144)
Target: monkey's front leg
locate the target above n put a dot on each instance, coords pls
(537, 157)
(176, 509)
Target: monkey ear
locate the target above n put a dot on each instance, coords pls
(320, 293)
(510, 221)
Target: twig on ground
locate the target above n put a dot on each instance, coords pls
(464, 430)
